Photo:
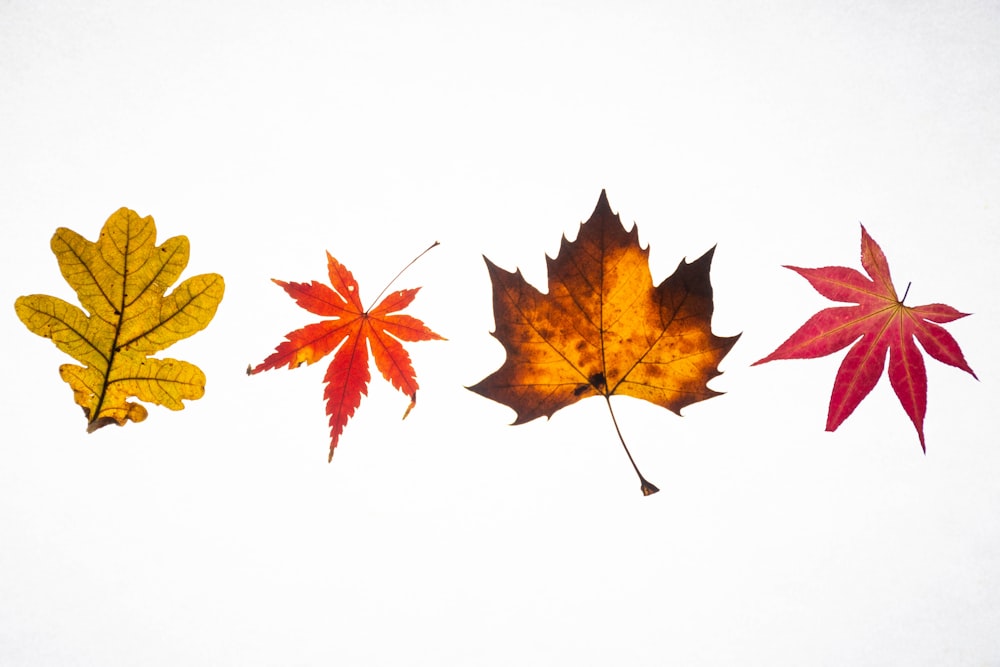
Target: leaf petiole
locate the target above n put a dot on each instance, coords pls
(648, 488)
(412, 262)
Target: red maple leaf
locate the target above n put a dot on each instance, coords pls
(351, 332)
(883, 324)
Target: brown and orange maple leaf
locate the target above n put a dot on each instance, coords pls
(881, 325)
(351, 332)
(604, 329)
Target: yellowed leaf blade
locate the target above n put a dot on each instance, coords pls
(65, 324)
(185, 312)
(121, 280)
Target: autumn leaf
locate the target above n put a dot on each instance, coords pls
(121, 280)
(351, 332)
(604, 329)
(880, 324)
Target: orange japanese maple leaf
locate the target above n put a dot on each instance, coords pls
(604, 329)
(880, 323)
(351, 332)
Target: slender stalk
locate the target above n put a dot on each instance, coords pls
(906, 292)
(648, 488)
(412, 261)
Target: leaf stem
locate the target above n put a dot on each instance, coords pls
(906, 292)
(647, 487)
(412, 261)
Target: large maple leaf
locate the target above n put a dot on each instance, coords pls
(351, 332)
(121, 280)
(880, 324)
(604, 329)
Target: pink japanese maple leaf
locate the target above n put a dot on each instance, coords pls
(880, 323)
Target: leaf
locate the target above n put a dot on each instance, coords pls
(603, 328)
(121, 280)
(880, 324)
(351, 332)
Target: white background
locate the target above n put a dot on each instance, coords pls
(270, 132)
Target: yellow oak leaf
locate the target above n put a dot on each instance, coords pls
(121, 280)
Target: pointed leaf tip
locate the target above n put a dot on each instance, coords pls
(603, 206)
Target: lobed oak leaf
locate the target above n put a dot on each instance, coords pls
(604, 329)
(881, 325)
(121, 280)
(351, 332)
